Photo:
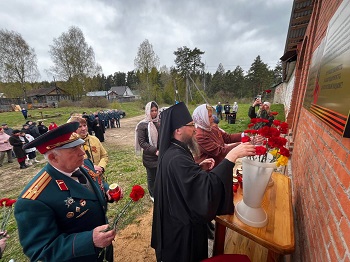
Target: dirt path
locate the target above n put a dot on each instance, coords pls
(131, 244)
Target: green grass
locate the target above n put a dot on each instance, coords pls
(61, 115)
(124, 167)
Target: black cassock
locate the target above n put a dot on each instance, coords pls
(186, 199)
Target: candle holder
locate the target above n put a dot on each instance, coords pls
(114, 191)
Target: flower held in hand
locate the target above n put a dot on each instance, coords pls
(137, 192)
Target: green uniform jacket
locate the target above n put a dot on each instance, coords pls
(56, 215)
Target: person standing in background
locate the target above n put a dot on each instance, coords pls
(227, 109)
(98, 129)
(24, 113)
(42, 128)
(52, 125)
(219, 110)
(31, 152)
(235, 107)
(93, 148)
(17, 144)
(7, 129)
(263, 112)
(5, 147)
(146, 138)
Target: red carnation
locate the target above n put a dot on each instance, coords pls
(245, 139)
(260, 150)
(284, 151)
(267, 91)
(10, 202)
(137, 193)
(7, 205)
(276, 122)
(3, 201)
(254, 120)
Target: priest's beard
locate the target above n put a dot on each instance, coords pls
(192, 144)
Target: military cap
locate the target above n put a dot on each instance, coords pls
(63, 136)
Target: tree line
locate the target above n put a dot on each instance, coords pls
(76, 71)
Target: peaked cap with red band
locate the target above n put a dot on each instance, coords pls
(60, 137)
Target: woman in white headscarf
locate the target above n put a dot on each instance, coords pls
(213, 142)
(146, 139)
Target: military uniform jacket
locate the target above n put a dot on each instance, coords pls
(56, 215)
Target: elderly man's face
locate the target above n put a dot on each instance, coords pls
(68, 159)
(82, 130)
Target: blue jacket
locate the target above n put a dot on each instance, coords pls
(56, 215)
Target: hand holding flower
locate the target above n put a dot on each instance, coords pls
(244, 149)
(101, 237)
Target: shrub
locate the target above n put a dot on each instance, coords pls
(94, 102)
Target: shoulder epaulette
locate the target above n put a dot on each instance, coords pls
(37, 187)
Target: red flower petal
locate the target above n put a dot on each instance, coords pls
(137, 192)
(260, 150)
(10, 202)
(245, 139)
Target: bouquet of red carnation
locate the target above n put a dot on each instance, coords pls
(137, 192)
(7, 205)
(273, 143)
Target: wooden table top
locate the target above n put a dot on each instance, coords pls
(278, 234)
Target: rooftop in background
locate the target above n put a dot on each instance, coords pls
(299, 21)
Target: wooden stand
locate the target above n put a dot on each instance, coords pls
(278, 235)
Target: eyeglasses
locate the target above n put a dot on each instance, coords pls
(191, 124)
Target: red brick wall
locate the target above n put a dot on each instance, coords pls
(320, 164)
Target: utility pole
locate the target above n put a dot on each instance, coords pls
(187, 86)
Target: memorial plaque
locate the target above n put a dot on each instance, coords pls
(328, 89)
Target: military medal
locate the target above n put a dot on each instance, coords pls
(70, 215)
(83, 213)
(82, 202)
(69, 201)
(77, 209)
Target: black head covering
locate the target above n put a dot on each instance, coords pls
(172, 118)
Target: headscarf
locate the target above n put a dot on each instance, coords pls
(152, 130)
(172, 118)
(201, 118)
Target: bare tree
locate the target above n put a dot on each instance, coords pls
(73, 59)
(18, 62)
(145, 60)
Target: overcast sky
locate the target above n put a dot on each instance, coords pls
(231, 32)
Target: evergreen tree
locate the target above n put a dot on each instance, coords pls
(259, 77)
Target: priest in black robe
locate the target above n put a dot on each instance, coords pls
(188, 195)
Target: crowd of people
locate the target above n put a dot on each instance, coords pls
(189, 160)
(227, 109)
